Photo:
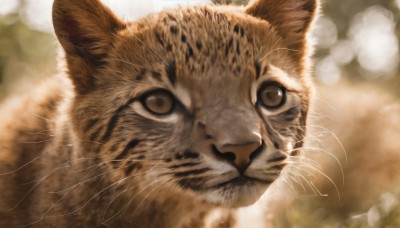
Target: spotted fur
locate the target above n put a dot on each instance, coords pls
(89, 153)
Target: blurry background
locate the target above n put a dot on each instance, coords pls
(356, 126)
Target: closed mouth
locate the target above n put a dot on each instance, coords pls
(241, 181)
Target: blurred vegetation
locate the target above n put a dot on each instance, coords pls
(343, 13)
(28, 55)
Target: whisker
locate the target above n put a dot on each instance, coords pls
(319, 192)
(323, 174)
(25, 165)
(298, 181)
(289, 184)
(37, 184)
(130, 201)
(331, 155)
(124, 61)
(338, 141)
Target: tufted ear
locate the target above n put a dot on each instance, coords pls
(291, 18)
(85, 30)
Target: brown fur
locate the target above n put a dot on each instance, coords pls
(85, 154)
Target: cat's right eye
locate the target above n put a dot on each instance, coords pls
(272, 95)
(159, 102)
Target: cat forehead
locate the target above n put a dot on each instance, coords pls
(203, 46)
(204, 40)
(206, 36)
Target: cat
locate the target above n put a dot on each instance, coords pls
(159, 122)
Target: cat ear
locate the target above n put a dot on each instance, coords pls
(291, 18)
(85, 29)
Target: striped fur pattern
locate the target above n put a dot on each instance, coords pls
(102, 157)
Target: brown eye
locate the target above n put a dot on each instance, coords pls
(272, 95)
(159, 102)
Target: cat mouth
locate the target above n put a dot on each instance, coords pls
(241, 181)
(234, 183)
(237, 192)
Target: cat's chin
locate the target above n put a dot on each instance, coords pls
(233, 195)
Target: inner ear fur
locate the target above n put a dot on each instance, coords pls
(85, 29)
(291, 18)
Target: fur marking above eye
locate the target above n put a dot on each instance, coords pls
(257, 67)
(156, 76)
(140, 76)
(265, 70)
(171, 72)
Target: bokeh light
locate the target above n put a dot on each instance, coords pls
(37, 14)
(328, 71)
(325, 32)
(373, 37)
(8, 7)
(342, 52)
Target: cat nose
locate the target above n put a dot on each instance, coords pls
(239, 155)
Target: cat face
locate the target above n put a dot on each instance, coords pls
(203, 101)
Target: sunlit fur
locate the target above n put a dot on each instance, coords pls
(100, 157)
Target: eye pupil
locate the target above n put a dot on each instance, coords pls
(159, 102)
(272, 96)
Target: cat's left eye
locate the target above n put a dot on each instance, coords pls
(159, 102)
(272, 95)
